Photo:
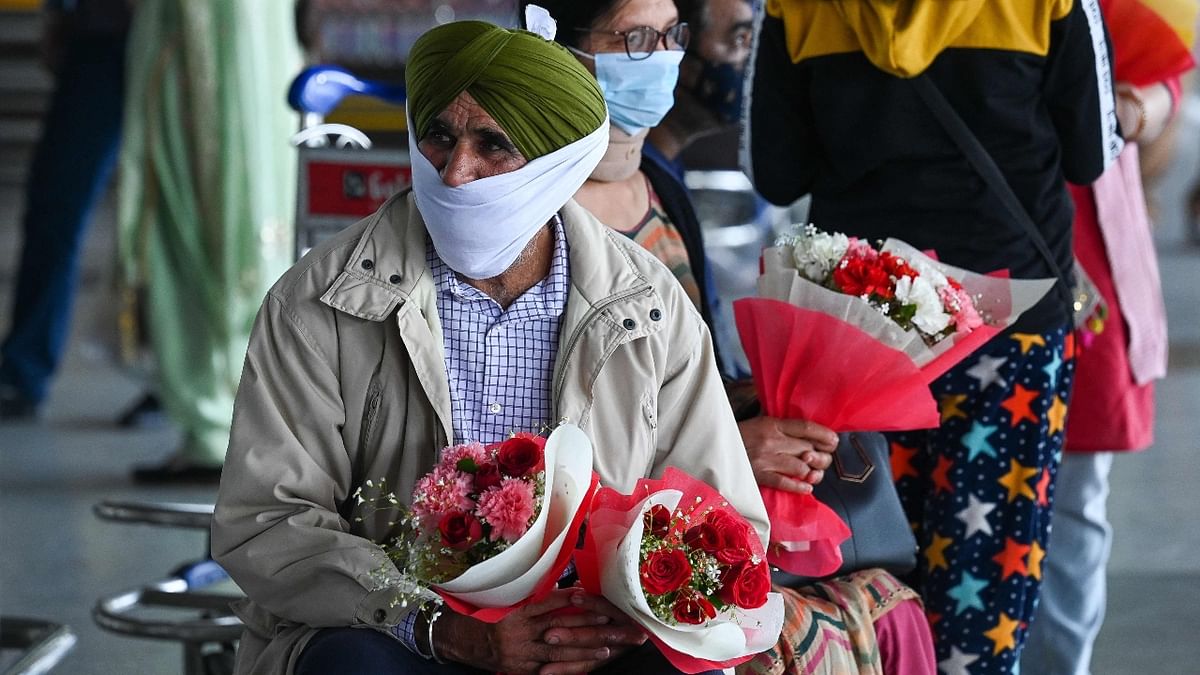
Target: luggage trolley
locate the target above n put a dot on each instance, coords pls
(342, 177)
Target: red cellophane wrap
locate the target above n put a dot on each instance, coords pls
(607, 565)
(528, 570)
(812, 359)
(1135, 25)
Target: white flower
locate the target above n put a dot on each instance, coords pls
(930, 274)
(931, 318)
(816, 252)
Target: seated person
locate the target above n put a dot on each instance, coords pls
(481, 302)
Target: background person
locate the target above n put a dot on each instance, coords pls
(206, 200)
(1112, 406)
(645, 199)
(84, 47)
(832, 113)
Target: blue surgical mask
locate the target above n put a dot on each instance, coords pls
(638, 93)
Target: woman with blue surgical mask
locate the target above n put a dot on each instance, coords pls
(634, 48)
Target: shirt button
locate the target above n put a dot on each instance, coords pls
(368, 264)
(629, 324)
(395, 278)
(380, 615)
(655, 315)
(495, 408)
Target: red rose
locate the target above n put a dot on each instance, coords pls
(704, 537)
(855, 276)
(746, 585)
(486, 476)
(664, 571)
(460, 529)
(733, 537)
(691, 607)
(658, 520)
(519, 455)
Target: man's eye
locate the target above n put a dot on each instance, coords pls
(439, 137)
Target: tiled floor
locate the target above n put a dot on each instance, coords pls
(57, 558)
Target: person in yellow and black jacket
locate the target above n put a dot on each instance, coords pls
(832, 111)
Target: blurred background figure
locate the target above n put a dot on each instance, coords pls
(837, 110)
(1123, 350)
(708, 97)
(207, 193)
(84, 47)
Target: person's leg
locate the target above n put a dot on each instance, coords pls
(987, 510)
(1071, 608)
(71, 166)
(905, 643)
(364, 651)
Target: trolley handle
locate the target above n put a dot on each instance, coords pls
(319, 89)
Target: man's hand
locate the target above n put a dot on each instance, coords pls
(618, 634)
(540, 637)
(788, 455)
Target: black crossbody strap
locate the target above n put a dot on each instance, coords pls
(985, 166)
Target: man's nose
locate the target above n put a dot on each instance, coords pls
(460, 167)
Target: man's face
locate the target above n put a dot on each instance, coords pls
(726, 35)
(464, 144)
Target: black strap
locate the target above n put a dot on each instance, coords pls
(985, 166)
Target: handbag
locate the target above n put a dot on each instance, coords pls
(859, 488)
(1081, 294)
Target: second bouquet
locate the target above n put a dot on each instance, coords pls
(679, 560)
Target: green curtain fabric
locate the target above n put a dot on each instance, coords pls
(207, 192)
(535, 89)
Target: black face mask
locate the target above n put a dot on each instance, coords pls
(719, 89)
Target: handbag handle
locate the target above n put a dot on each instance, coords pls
(985, 166)
(868, 465)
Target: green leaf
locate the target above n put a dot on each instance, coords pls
(467, 465)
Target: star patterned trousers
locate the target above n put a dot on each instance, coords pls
(978, 492)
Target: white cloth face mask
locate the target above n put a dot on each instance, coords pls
(479, 228)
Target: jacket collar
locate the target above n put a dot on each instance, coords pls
(388, 265)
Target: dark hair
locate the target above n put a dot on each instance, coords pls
(694, 13)
(572, 14)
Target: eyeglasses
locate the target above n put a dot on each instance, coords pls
(641, 41)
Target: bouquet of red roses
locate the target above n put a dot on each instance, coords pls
(492, 528)
(850, 336)
(679, 560)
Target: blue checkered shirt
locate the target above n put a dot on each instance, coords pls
(500, 362)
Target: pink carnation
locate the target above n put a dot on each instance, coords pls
(507, 508)
(860, 249)
(441, 491)
(454, 453)
(961, 308)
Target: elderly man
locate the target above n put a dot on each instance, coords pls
(483, 301)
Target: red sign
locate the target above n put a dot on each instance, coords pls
(345, 189)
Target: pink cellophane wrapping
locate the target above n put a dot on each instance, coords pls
(608, 566)
(831, 358)
(529, 569)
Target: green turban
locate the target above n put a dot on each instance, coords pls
(541, 96)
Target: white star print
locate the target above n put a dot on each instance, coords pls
(975, 516)
(987, 371)
(957, 663)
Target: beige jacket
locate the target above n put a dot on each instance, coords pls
(345, 381)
